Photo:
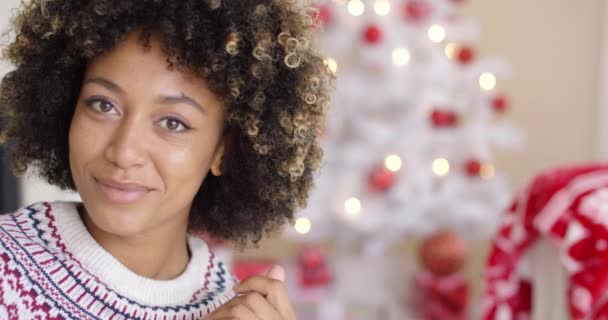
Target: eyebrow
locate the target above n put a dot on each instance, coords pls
(163, 99)
(182, 99)
(106, 83)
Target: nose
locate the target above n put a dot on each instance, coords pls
(127, 146)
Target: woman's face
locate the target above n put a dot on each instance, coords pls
(142, 139)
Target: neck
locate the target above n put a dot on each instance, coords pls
(159, 254)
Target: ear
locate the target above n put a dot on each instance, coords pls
(218, 158)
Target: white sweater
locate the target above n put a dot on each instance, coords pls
(51, 268)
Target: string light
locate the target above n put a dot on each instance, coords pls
(356, 7)
(436, 33)
(450, 50)
(331, 64)
(303, 225)
(382, 7)
(393, 163)
(487, 171)
(441, 166)
(487, 81)
(352, 206)
(401, 56)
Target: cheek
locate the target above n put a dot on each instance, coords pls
(84, 140)
(76, 138)
(182, 167)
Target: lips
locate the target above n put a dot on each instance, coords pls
(121, 192)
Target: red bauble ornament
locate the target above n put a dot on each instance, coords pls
(416, 10)
(249, 268)
(381, 179)
(443, 253)
(465, 55)
(372, 34)
(311, 257)
(443, 119)
(324, 15)
(441, 297)
(314, 271)
(473, 168)
(500, 103)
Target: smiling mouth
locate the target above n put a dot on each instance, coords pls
(121, 192)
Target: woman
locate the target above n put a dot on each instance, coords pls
(169, 118)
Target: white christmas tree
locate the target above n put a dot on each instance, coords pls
(414, 117)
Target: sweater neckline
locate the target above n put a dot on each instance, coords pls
(117, 276)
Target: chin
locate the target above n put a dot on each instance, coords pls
(119, 221)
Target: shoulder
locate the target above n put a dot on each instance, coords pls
(218, 282)
(28, 242)
(33, 225)
(20, 222)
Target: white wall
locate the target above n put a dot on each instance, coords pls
(554, 48)
(33, 190)
(603, 90)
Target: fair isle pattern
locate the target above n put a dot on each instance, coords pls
(41, 279)
(568, 206)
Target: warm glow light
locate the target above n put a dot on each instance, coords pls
(487, 81)
(487, 171)
(352, 206)
(401, 56)
(303, 225)
(331, 64)
(441, 166)
(450, 50)
(356, 7)
(382, 7)
(436, 33)
(393, 163)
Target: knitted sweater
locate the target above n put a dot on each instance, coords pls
(51, 268)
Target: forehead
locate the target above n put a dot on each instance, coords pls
(144, 65)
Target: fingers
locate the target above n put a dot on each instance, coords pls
(272, 289)
(262, 307)
(238, 312)
(276, 272)
(241, 312)
(268, 287)
(251, 306)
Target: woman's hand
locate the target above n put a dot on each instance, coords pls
(259, 298)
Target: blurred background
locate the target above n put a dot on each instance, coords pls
(442, 110)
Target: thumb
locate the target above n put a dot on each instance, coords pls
(276, 272)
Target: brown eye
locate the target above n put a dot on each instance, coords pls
(101, 106)
(105, 107)
(173, 125)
